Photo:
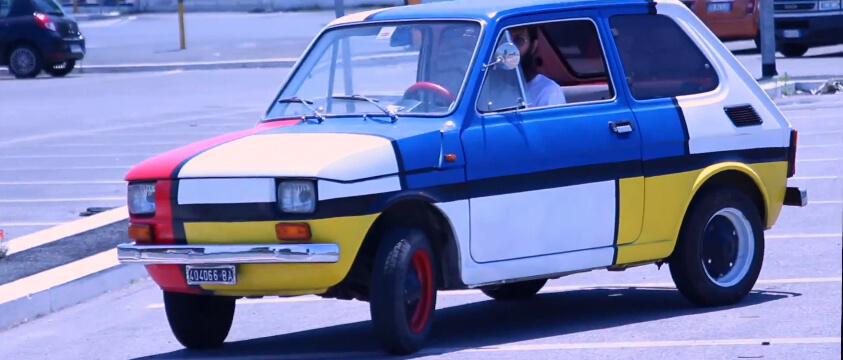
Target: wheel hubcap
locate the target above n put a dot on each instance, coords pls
(727, 248)
(418, 291)
(23, 60)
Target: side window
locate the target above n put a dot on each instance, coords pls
(562, 63)
(5, 7)
(659, 59)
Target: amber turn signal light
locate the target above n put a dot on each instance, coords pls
(292, 231)
(140, 232)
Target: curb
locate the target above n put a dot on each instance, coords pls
(779, 89)
(24, 309)
(209, 65)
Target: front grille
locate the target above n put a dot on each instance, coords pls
(781, 5)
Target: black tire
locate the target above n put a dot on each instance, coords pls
(25, 62)
(60, 69)
(515, 291)
(698, 238)
(794, 50)
(199, 321)
(402, 328)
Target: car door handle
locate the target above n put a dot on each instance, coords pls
(621, 127)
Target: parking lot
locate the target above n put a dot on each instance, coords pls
(54, 164)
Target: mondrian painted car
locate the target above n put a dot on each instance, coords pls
(473, 144)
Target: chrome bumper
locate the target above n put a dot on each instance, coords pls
(795, 197)
(228, 254)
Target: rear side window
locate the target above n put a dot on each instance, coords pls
(47, 7)
(659, 59)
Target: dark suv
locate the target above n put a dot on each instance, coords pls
(37, 35)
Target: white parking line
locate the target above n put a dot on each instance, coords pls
(814, 177)
(55, 169)
(81, 182)
(827, 202)
(809, 133)
(64, 230)
(72, 156)
(819, 146)
(819, 160)
(130, 144)
(62, 200)
(804, 236)
(548, 289)
(2, 225)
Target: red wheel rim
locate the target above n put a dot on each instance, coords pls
(424, 274)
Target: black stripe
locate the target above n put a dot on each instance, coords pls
(684, 124)
(374, 203)
(178, 227)
(617, 218)
(402, 175)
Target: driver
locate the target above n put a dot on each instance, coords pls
(541, 90)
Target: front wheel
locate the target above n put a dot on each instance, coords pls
(720, 249)
(199, 321)
(403, 290)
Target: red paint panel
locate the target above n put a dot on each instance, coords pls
(161, 166)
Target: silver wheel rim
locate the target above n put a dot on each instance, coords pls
(23, 60)
(742, 240)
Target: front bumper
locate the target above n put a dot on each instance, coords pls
(795, 197)
(810, 30)
(228, 254)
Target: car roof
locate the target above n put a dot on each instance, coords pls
(484, 10)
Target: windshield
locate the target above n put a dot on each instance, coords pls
(401, 68)
(47, 7)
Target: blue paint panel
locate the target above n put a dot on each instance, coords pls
(420, 151)
(662, 131)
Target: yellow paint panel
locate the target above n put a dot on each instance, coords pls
(774, 175)
(631, 208)
(285, 279)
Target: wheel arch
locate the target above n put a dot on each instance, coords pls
(733, 174)
(6, 50)
(414, 210)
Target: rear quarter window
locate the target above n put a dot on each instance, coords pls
(659, 58)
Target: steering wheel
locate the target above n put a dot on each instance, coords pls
(442, 94)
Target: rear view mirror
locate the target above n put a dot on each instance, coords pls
(507, 56)
(403, 36)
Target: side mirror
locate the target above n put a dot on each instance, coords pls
(506, 55)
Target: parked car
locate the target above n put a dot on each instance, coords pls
(803, 24)
(38, 35)
(729, 19)
(521, 143)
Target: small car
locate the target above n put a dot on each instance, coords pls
(487, 145)
(803, 24)
(38, 35)
(730, 20)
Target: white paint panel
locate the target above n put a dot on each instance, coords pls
(475, 274)
(334, 190)
(709, 128)
(342, 157)
(458, 214)
(226, 191)
(543, 222)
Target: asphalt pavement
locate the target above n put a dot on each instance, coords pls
(793, 313)
(66, 144)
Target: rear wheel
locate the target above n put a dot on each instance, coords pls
(403, 290)
(515, 291)
(60, 69)
(720, 249)
(24, 62)
(199, 321)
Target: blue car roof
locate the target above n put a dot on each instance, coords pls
(487, 10)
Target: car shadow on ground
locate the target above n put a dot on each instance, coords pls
(484, 323)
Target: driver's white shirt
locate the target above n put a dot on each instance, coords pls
(542, 91)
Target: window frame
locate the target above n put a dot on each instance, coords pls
(610, 79)
(715, 67)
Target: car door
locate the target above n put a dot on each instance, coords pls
(552, 179)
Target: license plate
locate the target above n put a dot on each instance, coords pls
(75, 48)
(211, 275)
(791, 33)
(717, 7)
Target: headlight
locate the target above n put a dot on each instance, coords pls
(142, 198)
(297, 196)
(829, 5)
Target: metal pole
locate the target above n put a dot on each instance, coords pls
(75, 6)
(768, 39)
(181, 24)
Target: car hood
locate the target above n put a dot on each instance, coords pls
(292, 149)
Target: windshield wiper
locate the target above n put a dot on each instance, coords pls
(371, 101)
(304, 102)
